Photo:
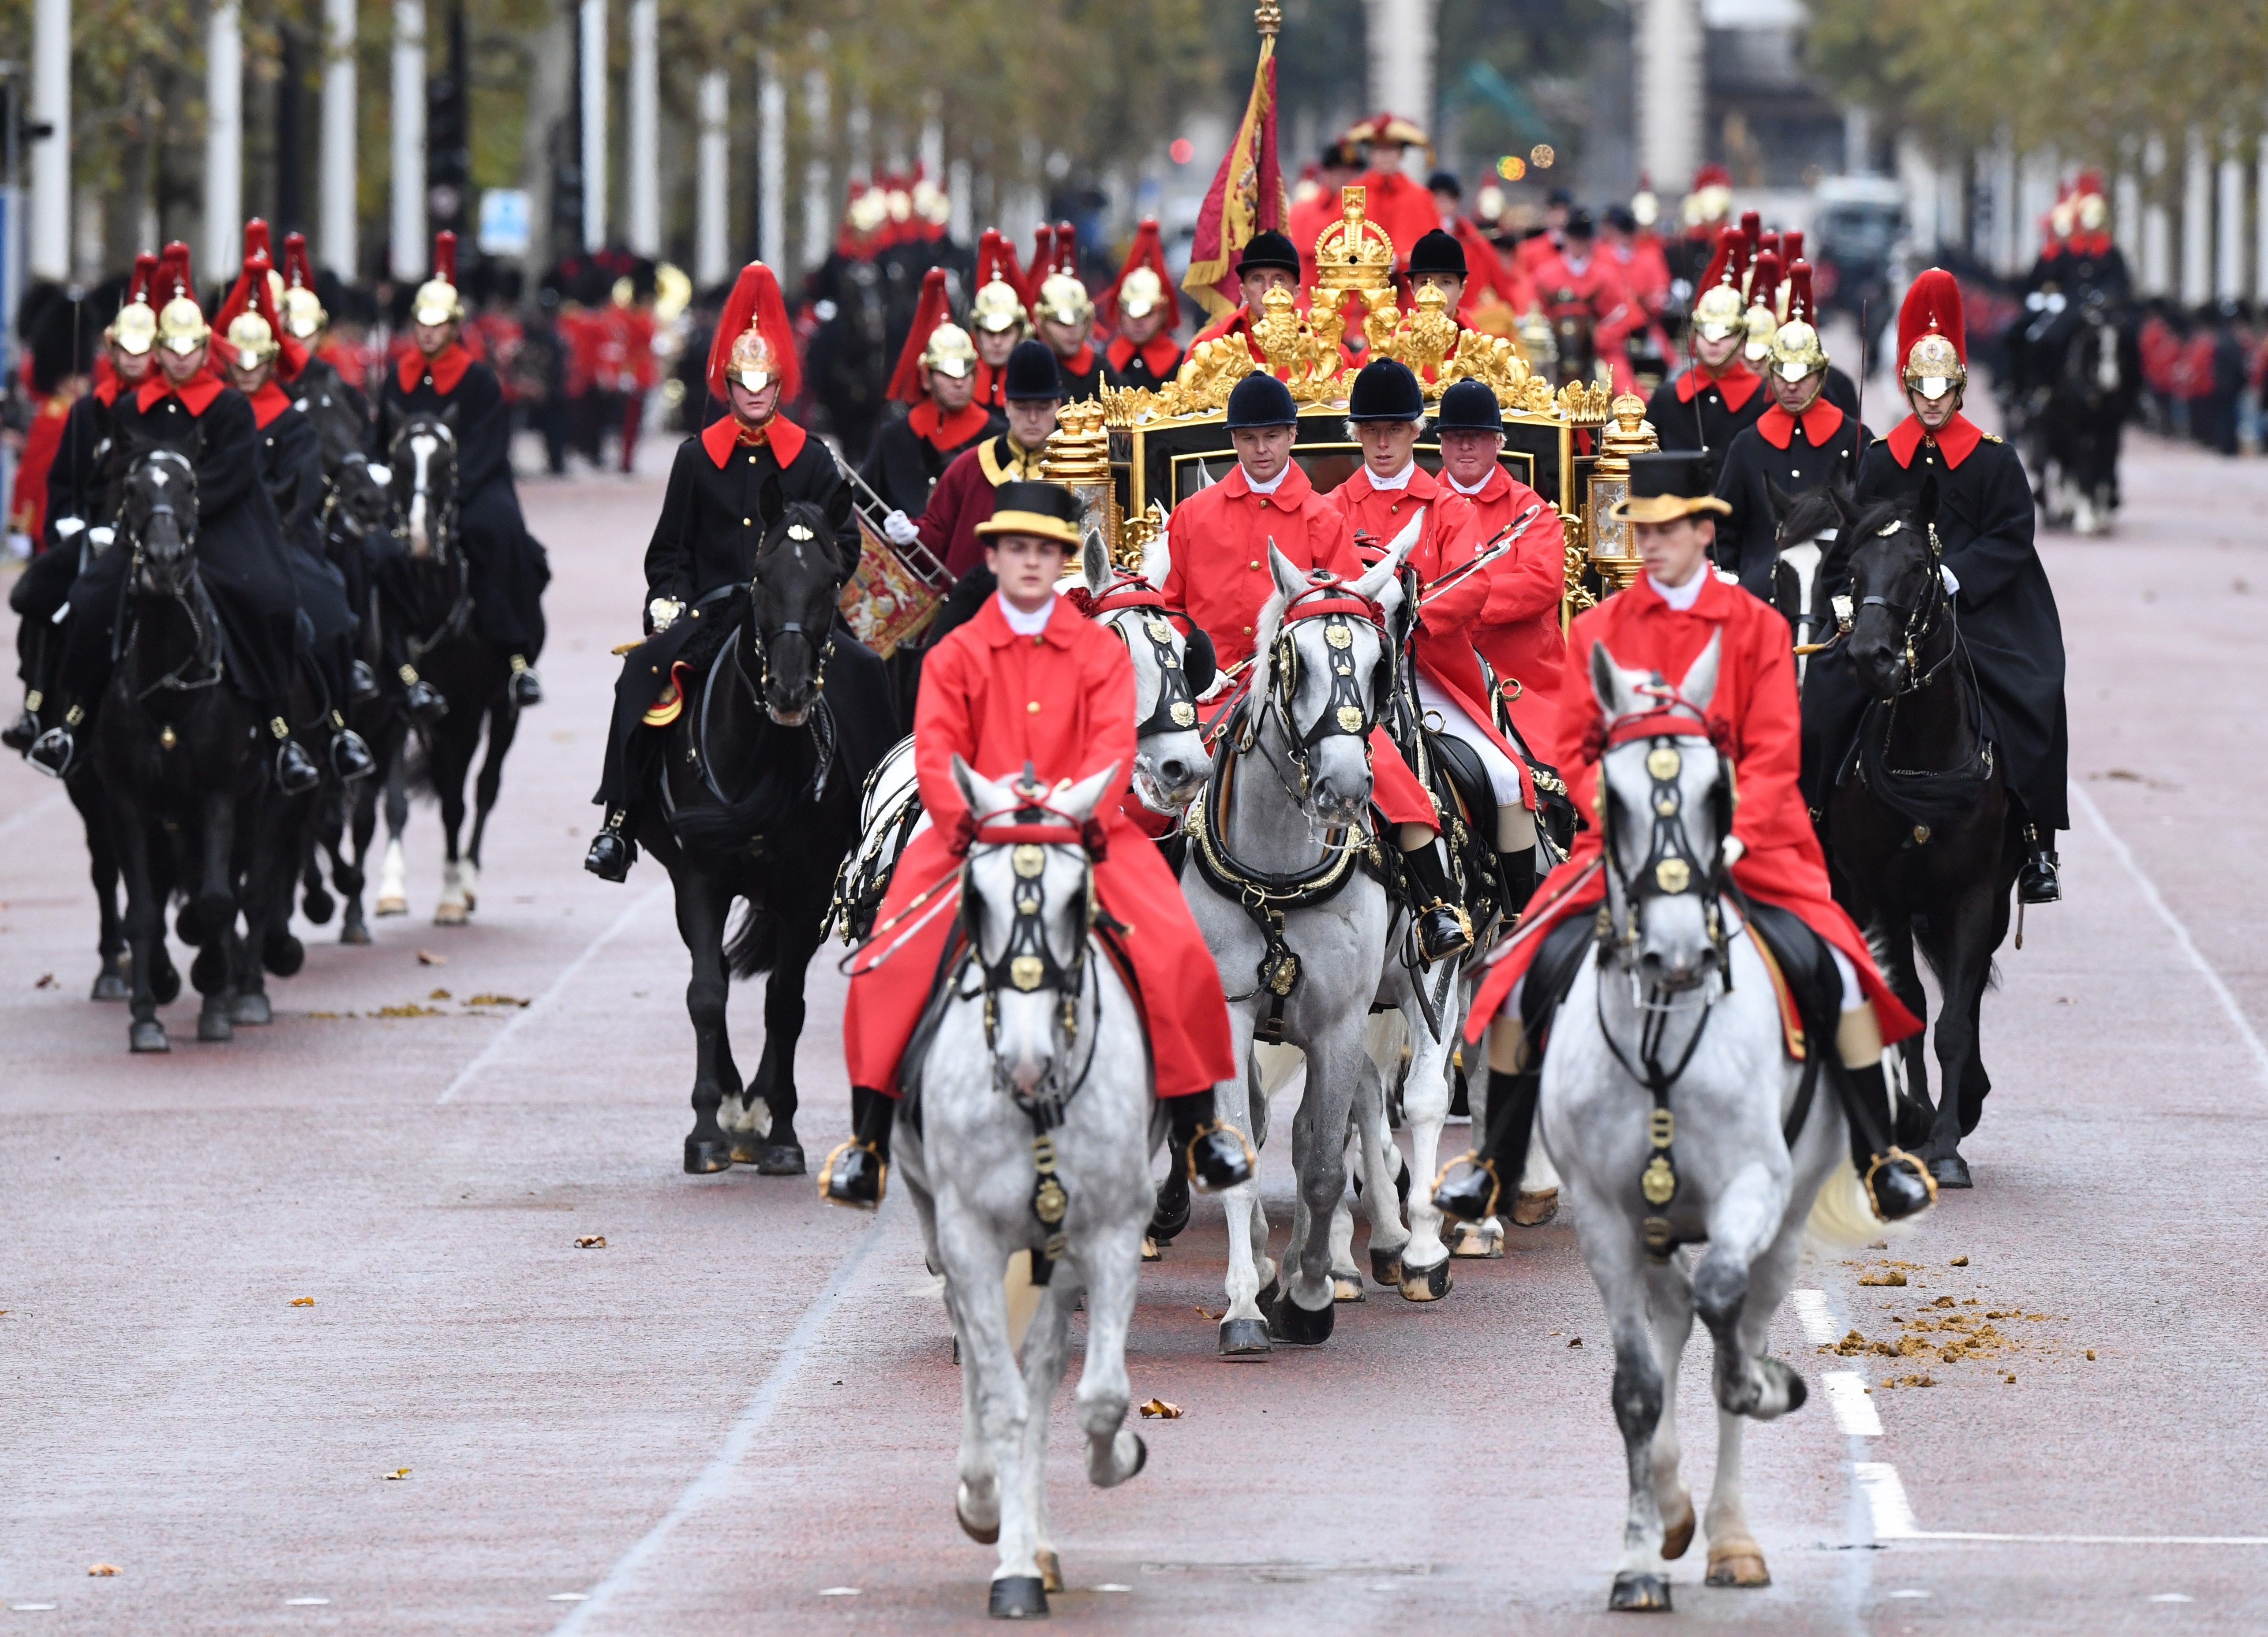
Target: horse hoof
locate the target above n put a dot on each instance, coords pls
(1141, 1460)
(283, 955)
(320, 907)
(1425, 1284)
(1533, 1210)
(1270, 1293)
(1346, 1286)
(780, 1159)
(1679, 1535)
(1386, 1267)
(147, 1035)
(108, 985)
(355, 932)
(446, 914)
(1741, 1565)
(704, 1155)
(1050, 1570)
(164, 980)
(213, 1025)
(1245, 1339)
(983, 1535)
(1019, 1597)
(1641, 1594)
(1150, 1251)
(251, 1010)
(1951, 1172)
(1288, 1321)
(1483, 1240)
(392, 906)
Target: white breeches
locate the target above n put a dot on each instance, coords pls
(1503, 778)
(1854, 996)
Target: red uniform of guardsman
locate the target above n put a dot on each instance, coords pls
(996, 317)
(1027, 691)
(1704, 406)
(963, 496)
(1142, 307)
(1663, 624)
(27, 506)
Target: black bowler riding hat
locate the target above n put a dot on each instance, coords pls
(1436, 253)
(1048, 509)
(1667, 485)
(1470, 407)
(1386, 391)
(1579, 225)
(1031, 376)
(1269, 249)
(1261, 400)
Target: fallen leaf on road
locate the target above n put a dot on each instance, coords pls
(412, 1011)
(1203, 1314)
(102, 1568)
(1575, 1342)
(1960, 1261)
(592, 1242)
(1159, 1410)
(427, 958)
(396, 1475)
(438, 995)
(47, 981)
(1891, 1278)
(496, 1000)
(303, 1301)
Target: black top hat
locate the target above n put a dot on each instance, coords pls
(1470, 407)
(1261, 400)
(1580, 225)
(1667, 485)
(1269, 249)
(1048, 509)
(1436, 253)
(1386, 391)
(1031, 376)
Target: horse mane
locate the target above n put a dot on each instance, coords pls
(1264, 629)
(1874, 518)
(1813, 512)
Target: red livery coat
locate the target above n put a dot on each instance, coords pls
(1754, 706)
(1218, 541)
(27, 507)
(1062, 701)
(1518, 631)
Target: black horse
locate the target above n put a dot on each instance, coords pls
(2094, 389)
(430, 591)
(784, 716)
(183, 758)
(1923, 841)
(1805, 530)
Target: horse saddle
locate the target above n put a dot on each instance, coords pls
(1804, 979)
(670, 704)
(1468, 777)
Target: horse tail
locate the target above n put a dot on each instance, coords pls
(754, 945)
(1841, 1220)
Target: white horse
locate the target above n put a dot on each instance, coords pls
(1299, 928)
(1700, 1159)
(1029, 1130)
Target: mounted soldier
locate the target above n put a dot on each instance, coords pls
(996, 317)
(242, 559)
(1066, 315)
(439, 377)
(727, 488)
(936, 380)
(1143, 307)
(1678, 612)
(1033, 387)
(319, 377)
(2006, 607)
(1717, 395)
(1802, 443)
(1027, 691)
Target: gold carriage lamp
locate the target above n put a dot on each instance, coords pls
(1078, 455)
(1612, 551)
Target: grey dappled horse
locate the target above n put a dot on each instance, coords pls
(1034, 1104)
(1661, 997)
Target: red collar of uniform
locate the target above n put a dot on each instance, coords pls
(2088, 243)
(1819, 424)
(1161, 353)
(1713, 603)
(1495, 486)
(196, 397)
(1957, 440)
(1294, 489)
(268, 402)
(1422, 485)
(993, 627)
(724, 435)
(946, 432)
(107, 389)
(1736, 382)
(447, 367)
(1080, 363)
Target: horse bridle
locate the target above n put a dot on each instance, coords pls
(216, 665)
(822, 649)
(1920, 620)
(1351, 711)
(1176, 709)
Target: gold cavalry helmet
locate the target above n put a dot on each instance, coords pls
(302, 310)
(437, 301)
(998, 307)
(950, 352)
(1063, 298)
(1718, 313)
(252, 339)
(1796, 350)
(181, 326)
(1142, 293)
(135, 330)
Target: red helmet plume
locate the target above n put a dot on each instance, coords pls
(1931, 307)
(934, 309)
(1730, 264)
(298, 272)
(444, 257)
(1791, 246)
(1147, 250)
(1043, 262)
(995, 261)
(1764, 282)
(140, 287)
(174, 276)
(1800, 307)
(754, 306)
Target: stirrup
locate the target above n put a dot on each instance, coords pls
(1464, 931)
(1487, 1167)
(1896, 1153)
(1214, 1127)
(842, 1150)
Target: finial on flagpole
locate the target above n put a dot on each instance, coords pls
(1268, 18)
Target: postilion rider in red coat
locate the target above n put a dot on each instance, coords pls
(1268, 263)
(1027, 686)
(1663, 623)
(1218, 541)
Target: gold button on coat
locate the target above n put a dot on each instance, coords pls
(1034, 707)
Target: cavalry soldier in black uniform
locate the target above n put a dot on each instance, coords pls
(704, 543)
(241, 556)
(996, 319)
(306, 323)
(1141, 303)
(1064, 314)
(508, 571)
(1999, 587)
(936, 378)
(292, 467)
(1803, 442)
(1703, 406)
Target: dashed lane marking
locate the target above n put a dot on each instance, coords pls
(1894, 1520)
(542, 1002)
(1854, 1409)
(1811, 1311)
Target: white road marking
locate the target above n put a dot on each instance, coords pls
(1910, 1591)
(569, 1597)
(307, 1603)
(714, 1477)
(542, 1002)
(2205, 968)
(838, 1591)
(1854, 1410)
(2170, 1597)
(1811, 1309)
(37, 810)
(1894, 1520)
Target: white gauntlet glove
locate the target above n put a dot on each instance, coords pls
(663, 612)
(900, 529)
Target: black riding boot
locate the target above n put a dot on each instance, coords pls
(1208, 1153)
(1471, 1187)
(612, 851)
(857, 1171)
(1897, 1184)
(527, 686)
(420, 698)
(1443, 929)
(1518, 870)
(2040, 882)
(350, 757)
(362, 682)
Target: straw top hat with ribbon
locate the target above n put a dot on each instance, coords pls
(1048, 510)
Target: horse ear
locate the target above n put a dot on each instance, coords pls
(1777, 500)
(1079, 802)
(1094, 563)
(1699, 686)
(981, 795)
(1289, 581)
(1925, 506)
(1607, 682)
